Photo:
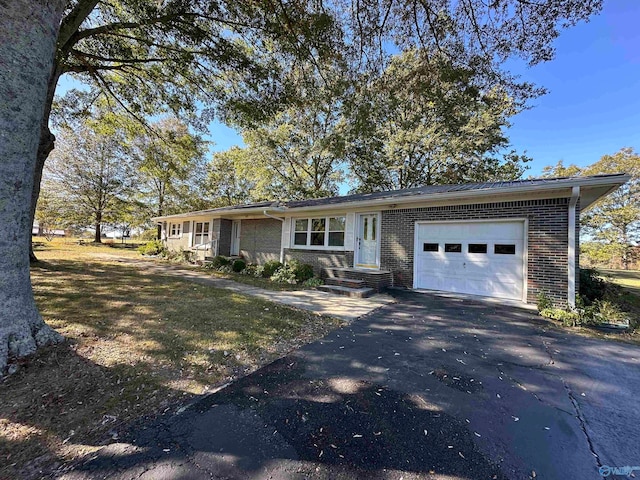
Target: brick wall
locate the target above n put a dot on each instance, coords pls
(260, 240)
(547, 238)
(320, 259)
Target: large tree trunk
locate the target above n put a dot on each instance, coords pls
(28, 30)
(45, 147)
(97, 238)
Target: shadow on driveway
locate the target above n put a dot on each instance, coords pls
(429, 387)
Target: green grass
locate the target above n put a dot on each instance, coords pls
(629, 299)
(137, 344)
(629, 279)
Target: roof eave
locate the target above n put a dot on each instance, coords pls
(614, 181)
(461, 194)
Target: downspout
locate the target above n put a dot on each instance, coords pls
(281, 247)
(571, 252)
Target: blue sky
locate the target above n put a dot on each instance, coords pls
(593, 104)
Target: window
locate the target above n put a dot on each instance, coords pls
(430, 247)
(337, 226)
(319, 232)
(300, 235)
(318, 228)
(504, 249)
(174, 229)
(453, 247)
(477, 248)
(201, 234)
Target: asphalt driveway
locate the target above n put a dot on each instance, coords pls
(429, 387)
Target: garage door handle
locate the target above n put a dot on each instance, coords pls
(464, 264)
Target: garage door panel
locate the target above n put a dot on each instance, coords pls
(479, 273)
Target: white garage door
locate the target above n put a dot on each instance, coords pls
(479, 258)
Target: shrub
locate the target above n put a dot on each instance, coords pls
(218, 261)
(605, 311)
(269, 268)
(238, 265)
(284, 274)
(154, 247)
(302, 271)
(568, 318)
(250, 270)
(186, 256)
(313, 282)
(592, 287)
(148, 234)
(259, 271)
(544, 302)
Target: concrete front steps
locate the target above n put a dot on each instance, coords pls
(347, 287)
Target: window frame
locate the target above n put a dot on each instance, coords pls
(453, 248)
(501, 246)
(202, 233)
(326, 232)
(175, 232)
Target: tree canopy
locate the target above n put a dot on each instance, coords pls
(612, 225)
(170, 166)
(88, 171)
(426, 121)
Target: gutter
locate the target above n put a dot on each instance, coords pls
(571, 250)
(266, 214)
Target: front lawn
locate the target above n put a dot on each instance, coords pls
(629, 280)
(138, 344)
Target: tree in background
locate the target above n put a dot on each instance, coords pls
(169, 161)
(612, 225)
(177, 57)
(425, 122)
(296, 154)
(227, 182)
(50, 210)
(90, 172)
(559, 170)
(615, 219)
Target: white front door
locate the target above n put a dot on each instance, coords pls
(367, 241)
(235, 237)
(481, 258)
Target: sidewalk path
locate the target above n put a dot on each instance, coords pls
(315, 301)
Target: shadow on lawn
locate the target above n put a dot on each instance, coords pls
(59, 403)
(168, 318)
(135, 343)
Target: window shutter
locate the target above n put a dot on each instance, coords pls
(286, 232)
(349, 232)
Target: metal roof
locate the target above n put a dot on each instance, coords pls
(466, 189)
